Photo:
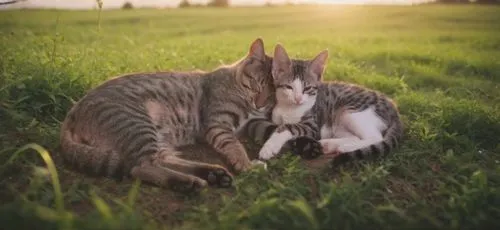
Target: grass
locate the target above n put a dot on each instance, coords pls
(441, 64)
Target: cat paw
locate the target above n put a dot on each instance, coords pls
(268, 151)
(220, 177)
(306, 147)
(194, 186)
(240, 164)
(330, 147)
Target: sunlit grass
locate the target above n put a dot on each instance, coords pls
(440, 64)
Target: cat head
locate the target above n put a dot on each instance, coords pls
(297, 80)
(254, 74)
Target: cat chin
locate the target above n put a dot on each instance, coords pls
(291, 103)
(295, 105)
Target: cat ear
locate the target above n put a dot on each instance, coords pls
(281, 61)
(318, 64)
(257, 49)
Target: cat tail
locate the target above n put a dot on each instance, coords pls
(88, 159)
(260, 129)
(390, 141)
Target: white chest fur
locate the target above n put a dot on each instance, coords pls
(290, 114)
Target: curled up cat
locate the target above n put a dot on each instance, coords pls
(312, 117)
(131, 125)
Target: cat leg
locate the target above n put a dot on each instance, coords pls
(350, 146)
(275, 142)
(261, 129)
(214, 174)
(167, 178)
(155, 170)
(285, 133)
(366, 126)
(331, 145)
(307, 127)
(224, 141)
(309, 148)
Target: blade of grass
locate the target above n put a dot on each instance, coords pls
(50, 166)
(132, 194)
(101, 206)
(65, 217)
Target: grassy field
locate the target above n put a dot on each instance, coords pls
(440, 64)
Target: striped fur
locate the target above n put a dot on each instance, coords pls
(308, 107)
(344, 98)
(132, 125)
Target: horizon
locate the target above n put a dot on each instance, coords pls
(113, 4)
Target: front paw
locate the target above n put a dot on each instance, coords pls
(240, 164)
(267, 152)
(306, 147)
(330, 147)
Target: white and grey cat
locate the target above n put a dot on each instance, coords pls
(317, 117)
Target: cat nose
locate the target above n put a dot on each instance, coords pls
(298, 99)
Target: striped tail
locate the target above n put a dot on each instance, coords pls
(89, 159)
(392, 137)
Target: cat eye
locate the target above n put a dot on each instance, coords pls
(311, 90)
(285, 86)
(307, 88)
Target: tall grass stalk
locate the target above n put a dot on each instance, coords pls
(99, 5)
(59, 198)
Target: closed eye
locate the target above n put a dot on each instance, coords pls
(309, 88)
(285, 86)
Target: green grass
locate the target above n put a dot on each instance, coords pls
(440, 64)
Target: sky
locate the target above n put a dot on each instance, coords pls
(89, 4)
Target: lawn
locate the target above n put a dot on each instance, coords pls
(441, 65)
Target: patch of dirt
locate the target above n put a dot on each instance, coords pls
(160, 204)
(164, 206)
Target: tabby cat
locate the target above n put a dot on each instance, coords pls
(350, 121)
(132, 125)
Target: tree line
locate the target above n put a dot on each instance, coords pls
(213, 3)
(470, 1)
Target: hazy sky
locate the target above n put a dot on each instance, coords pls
(82, 4)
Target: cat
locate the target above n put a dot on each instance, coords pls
(312, 117)
(132, 125)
